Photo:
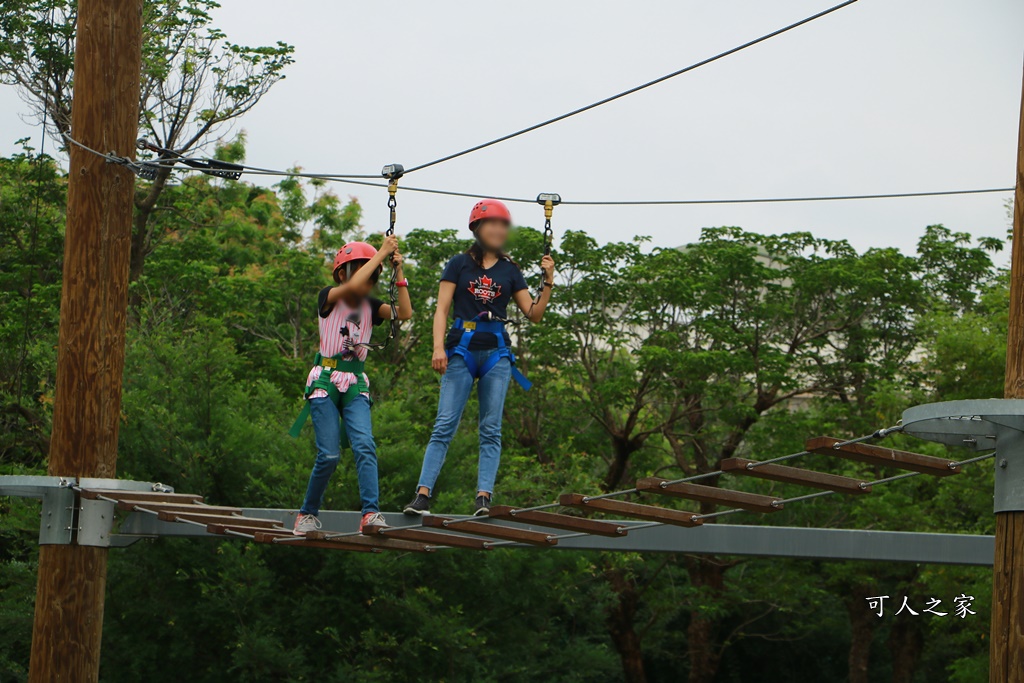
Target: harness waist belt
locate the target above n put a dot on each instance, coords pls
(328, 366)
(492, 326)
(469, 328)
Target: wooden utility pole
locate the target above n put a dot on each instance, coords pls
(68, 622)
(1007, 647)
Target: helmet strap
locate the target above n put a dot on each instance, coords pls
(352, 267)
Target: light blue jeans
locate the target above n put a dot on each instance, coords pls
(456, 384)
(327, 427)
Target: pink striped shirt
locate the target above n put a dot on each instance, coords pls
(341, 331)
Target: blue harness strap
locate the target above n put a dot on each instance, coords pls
(478, 371)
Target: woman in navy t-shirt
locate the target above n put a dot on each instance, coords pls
(477, 286)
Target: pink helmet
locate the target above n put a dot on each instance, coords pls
(354, 251)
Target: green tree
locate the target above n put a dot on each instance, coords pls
(32, 196)
(195, 82)
(650, 362)
(683, 352)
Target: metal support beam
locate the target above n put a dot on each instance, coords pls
(715, 539)
(709, 539)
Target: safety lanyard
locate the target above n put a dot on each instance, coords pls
(549, 201)
(392, 172)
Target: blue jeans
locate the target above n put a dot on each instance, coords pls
(456, 383)
(327, 426)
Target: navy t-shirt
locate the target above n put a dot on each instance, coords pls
(478, 290)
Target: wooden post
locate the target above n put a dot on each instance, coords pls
(90, 358)
(1007, 647)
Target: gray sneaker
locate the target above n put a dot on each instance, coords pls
(372, 519)
(306, 523)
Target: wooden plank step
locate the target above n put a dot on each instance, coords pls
(173, 516)
(330, 545)
(557, 521)
(886, 457)
(382, 542)
(710, 494)
(650, 513)
(491, 531)
(130, 505)
(795, 475)
(429, 537)
(141, 496)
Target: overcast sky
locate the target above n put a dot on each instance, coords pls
(883, 96)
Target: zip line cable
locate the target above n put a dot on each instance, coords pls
(632, 90)
(138, 166)
(684, 202)
(147, 169)
(780, 200)
(671, 202)
(172, 158)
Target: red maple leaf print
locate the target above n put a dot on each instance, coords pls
(484, 289)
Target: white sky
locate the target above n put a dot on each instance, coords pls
(883, 96)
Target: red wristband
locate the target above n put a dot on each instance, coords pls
(404, 282)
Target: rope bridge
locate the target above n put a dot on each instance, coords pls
(541, 526)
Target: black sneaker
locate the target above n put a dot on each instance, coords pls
(483, 506)
(420, 505)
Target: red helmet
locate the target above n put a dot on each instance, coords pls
(354, 251)
(489, 208)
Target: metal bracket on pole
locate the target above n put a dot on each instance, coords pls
(980, 425)
(96, 517)
(57, 521)
(65, 517)
(95, 522)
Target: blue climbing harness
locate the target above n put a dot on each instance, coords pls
(498, 330)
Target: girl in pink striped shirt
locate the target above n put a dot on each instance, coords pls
(337, 388)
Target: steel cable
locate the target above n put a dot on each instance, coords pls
(878, 434)
(796, 499)
(624, 93)
(355, 180)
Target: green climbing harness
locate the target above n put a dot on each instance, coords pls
(328, 366)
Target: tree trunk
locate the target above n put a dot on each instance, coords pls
(701, 634)
(906, 641)
(862, 631)
(623, 447)
(621, 620)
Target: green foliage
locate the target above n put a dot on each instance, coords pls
(650, 361)
(31, 246)
(193, 78)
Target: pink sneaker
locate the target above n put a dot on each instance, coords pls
(372, 519)
(306, 523)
